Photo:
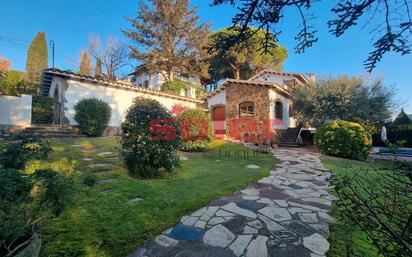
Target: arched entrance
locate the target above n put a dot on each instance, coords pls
(219, 120)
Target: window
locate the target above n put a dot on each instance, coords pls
(146, 84)
(278, 110)
(247, 109)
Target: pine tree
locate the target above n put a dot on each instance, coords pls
(402, 119)
(37, 58)
(85, 64)
(98, 68)
(167, 37)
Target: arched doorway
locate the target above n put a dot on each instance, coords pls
(219, 120)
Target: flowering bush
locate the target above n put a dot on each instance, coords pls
(145, 145)
(195, 130)
(344, 139)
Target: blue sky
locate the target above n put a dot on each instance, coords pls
(69, 24)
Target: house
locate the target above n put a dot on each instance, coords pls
(264, 102)
(141, 78)
(266, 99)
(67, 88)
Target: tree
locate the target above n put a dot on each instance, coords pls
(98, 68)
(245, 59)
(402, 119)
(353, 99)
(37, 56)
(390, 22)
(14, 83)
(85, 63)
(4, 64)
(166, 37)
(113, 56)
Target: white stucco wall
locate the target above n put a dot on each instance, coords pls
(155, 80)
(15, 110)
(278, 79)
(219, 98)
(288, 122)
(119, 99)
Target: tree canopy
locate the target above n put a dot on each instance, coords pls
(167, 37)
(37, 58)
(389, 22)
(245, 59)
(402, 119)
(5, 64)
(85, 66)
(354, 99)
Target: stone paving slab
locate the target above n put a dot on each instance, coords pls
(284, 214)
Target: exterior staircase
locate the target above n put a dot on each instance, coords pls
(49, 132)
(289, 138)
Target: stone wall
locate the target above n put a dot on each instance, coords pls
(238, 93)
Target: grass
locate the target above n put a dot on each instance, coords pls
(347, 239)
(103, 223)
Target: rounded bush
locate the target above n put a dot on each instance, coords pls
(92, 115)
(195, 130)
(344, 139)
(149, 139)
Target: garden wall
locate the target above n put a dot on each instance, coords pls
(15, 110)
(119, 99)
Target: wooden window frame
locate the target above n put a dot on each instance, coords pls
(247, 109)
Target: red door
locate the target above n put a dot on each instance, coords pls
(219, 120)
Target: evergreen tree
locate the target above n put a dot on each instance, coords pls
(98, 68)
(245, 59)
(85, 63)
(402, 119)
(37, 58)
(167, 37)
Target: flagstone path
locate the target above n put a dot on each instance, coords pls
(284, 214)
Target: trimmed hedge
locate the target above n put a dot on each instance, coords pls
(93, 116)
(42, 111)
(344, 139)
(194, 129)
(144, 151)
(394, 133)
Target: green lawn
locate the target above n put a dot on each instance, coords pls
(346, 239)
(103, 223)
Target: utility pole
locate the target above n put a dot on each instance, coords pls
(52, 47)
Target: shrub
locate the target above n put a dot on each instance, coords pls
(142, 154)
(174, 86)
(16, 155)
(194, 129)
(93, 116)
(42, 111)
(394, 133)
(28, 201)
(89, 179)
(344, 139)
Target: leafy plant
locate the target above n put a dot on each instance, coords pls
(93, 116)
(344, 139)
(26, 202)
(89, 179)
(16, 155)
(42, 110)
(142, 150)
(195, 130)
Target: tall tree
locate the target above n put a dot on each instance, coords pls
(85, 63)
(114, 55)
(98, 68)
(402, 119)
(167, 37)
(37, 58)
(349, 98)
(390, 22)
(246, 58)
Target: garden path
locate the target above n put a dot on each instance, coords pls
(284, 214)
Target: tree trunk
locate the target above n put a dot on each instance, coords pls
(236, 70)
